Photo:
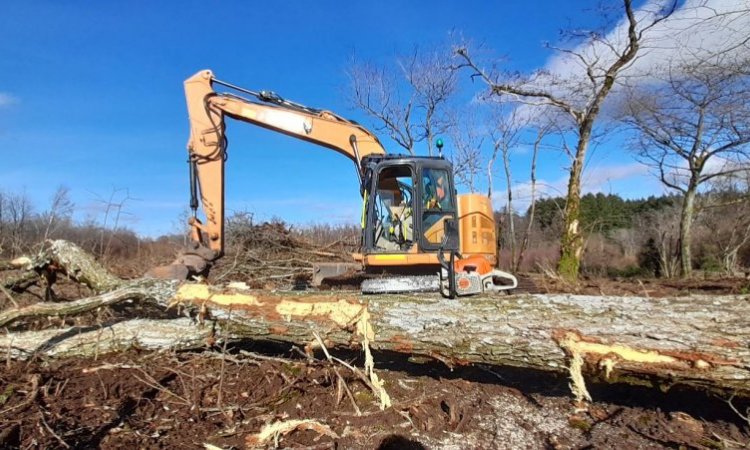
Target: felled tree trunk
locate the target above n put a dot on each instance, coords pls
(145, 334)
(698, 341)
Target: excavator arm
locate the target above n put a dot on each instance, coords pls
(207, 110)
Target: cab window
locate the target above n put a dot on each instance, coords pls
(394, 221)
(437, 204)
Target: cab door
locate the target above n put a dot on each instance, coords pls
(390, 224)
(437, 202)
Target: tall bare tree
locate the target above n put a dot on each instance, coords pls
(408, 100)
(693, 126)
(541, 132)
(505, 132)
(59, 213)
(465, 150)
(579, 99)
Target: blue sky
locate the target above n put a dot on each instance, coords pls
(91, 95)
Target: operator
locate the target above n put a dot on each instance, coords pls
(436, 199)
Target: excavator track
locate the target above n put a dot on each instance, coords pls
(401, 284)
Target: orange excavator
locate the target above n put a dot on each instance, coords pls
(416, 231)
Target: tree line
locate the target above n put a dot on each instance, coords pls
(640, 237)
(24, 226)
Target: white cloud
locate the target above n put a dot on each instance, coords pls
(7, 99)
(596, 179)
(696, 31)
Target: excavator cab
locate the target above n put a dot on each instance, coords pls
(406, 201)
(415, 224)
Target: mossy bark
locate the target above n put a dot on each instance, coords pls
(686, 222)
(571, 241)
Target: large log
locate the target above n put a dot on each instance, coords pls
(699, 341)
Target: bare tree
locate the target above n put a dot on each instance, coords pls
(540, 135)
(693, 125)
(726, 228)
(407, 100)
(3, 223)
(726, 22)
(730, 225)
(579, 99)
(505, 133)
(465, 151)
(16, 214)
(59, 213)
(434, 81)
(505, 128)
(113, 210)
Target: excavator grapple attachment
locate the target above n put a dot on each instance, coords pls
(190, 262)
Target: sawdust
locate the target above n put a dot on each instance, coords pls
(577, 383)
(365, 330)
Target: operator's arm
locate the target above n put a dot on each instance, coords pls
(207, 143)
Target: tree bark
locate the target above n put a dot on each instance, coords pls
(571, 241)
(697, 341)
(686, 222)
(509, 205)
(143, 334)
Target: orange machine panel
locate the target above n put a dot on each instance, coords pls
(476, 226)
(401, 259)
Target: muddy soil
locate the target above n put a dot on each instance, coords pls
(220, 397)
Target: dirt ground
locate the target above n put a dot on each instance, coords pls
(186, 400)
(647, 287)
(222, 397)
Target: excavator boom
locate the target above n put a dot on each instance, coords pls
(207, 110)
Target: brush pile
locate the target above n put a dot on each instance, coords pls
(274, 254)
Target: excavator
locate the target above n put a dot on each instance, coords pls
(418, 234)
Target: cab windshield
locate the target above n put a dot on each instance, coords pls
(394, 222)
(437, 204)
